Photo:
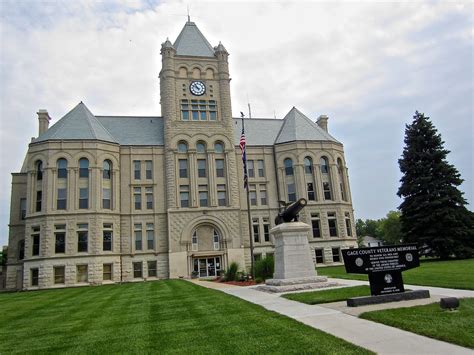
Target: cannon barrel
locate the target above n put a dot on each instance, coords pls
(290, 213)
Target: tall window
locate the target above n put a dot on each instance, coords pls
(261, 168)
(22, 208)
(148, 169)
(253, 195)
(107, 172)
(84, 197)
(107, 235)
(34, 276)
(60, 236)
(35, 238)
(327, 191)
(266, 230)
(340, 171)
(183, 168)
(202, 171)
(106, 198)
(59, 274)
(216, 239)
(332, 222)
(137, 169)
(184, 195)
(203, 196)
(83, 168)
(39, 170)
(308, 165)
(82, 273)
(137, 196)
(61, 202)
(151, 265)
(348, 224)
(291, 192)
(336, 255)
(39, 198)
(263, 195)
(288, 163)
(319, 256)
(150, 236)
(220, 168)
(21, 249)
(256, 230)
(62, 168)
(323, 162)
(221, 195)
(82, 237)
(138, 236)
(137, 270)
(316, 225)
(251, 168)
(194, 241)
(311, 194)
(149, 197)
(107, 272)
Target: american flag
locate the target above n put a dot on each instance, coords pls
(242, 145)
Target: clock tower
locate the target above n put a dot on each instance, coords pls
(202, 197)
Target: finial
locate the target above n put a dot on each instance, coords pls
(189, 17)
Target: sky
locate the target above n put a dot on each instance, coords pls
(367, 65)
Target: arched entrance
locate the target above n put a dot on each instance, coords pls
(208, 251)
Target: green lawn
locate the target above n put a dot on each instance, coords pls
(326, 296)
(452, 274)
(430, 320)
(172, 316)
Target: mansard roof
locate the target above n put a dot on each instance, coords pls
(297, 127)
(79, 123)
(192, 42)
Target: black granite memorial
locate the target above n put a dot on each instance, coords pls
(384, 265)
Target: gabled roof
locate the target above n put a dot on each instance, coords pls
(297, 127)
(79, 123)
(192, 42)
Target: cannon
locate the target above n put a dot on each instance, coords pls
(290, 211)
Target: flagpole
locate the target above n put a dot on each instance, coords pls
(252, 273)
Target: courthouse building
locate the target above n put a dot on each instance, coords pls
(106, 199)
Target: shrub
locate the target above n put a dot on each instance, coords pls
(231, 272)
(264, 268)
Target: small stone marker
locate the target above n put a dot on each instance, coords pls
(450, 303)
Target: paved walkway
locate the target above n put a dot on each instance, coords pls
(377, 337)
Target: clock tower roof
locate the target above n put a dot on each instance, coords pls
(191, 42)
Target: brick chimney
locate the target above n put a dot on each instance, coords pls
(43, 120)
(323, 122)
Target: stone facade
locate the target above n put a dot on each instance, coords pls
(119, 212)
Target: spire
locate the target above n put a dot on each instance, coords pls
(192, 42)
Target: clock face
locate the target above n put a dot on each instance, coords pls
(197, 88)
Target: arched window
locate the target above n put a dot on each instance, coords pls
(324, 165)
(216, 239)
(194, 241)
(107, 169)
(62, 168)
(288, 166)
(83, 168)
(201, 147)
(182, 147)
(308, 165)
(219, 147)
(340, 172)
(39, 170)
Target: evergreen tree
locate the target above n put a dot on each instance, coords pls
(433, 210)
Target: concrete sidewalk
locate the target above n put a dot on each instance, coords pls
(377, 337)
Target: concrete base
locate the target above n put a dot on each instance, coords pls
(296, 284)
(393, 297)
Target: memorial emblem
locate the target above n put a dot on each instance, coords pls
(388, 278)
(359, 262)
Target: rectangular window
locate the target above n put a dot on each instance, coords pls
(137, 195)
(137, 270)
(36, 241)
(82, 238)
(150, 236)
(39, 197)
(22, 208)
(60, 244)
(203, 196)
(311, 195)
(83, 197)
(202, 110)
(261, 168)
(34, 276)
(138, 236)
(315, 223)
(332, 224)
(336, 257)
(21, 249)
(183, 168)
(263, 195)
(253, 195)
(256, 230)
(291, 192)
(343, 196)
(151, 268)
(62, 173)
(257, 257)
(348, 224)
(184, 195)
(107, 272)
(82, 273)
(62, 199)
(266, 230)
(107, 237)
(250, 168)
(212, 110)
(319, 256)
(148, 169)
(106, 194)
(327, 191)
(202, 172)
(137, 169)
(195, 110)
(59, 274)
(220, 168)
(221, 195)
(184, 110)
(149, 197)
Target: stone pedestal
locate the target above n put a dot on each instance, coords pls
(294, 267)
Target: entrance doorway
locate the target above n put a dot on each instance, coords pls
(207, 267)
